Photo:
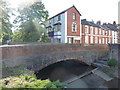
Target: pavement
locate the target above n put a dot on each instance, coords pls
(102, 74)
(77, 84)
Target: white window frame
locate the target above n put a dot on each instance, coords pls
(91, 40)
(100, 31)
(103, 40)
(100, 40)
(86, 39)
(74, 16)
(103, 32)
(96, 40)
(74, 28)
(91, 30)
(86, 29)
(106, 40)
(109, 40)
(96, 30)
(106, 32)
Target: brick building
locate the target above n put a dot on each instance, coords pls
(95, 33)
(67, 27)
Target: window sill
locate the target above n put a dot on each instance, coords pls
(74, 31)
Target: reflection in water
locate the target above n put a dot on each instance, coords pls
(63, 70)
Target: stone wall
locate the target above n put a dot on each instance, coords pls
(35, 57)
(114, 51)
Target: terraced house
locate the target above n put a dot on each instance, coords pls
(67, 27)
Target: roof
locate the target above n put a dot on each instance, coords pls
(104, 27)
(65, 11)
(93, 24)
(89, 23)
(112, 27)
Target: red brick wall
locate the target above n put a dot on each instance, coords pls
(29, 50)
(70, 21)
(118, 36)
(102, 35)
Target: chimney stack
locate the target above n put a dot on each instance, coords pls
(114, 22)
(98, 22)
(105, 24)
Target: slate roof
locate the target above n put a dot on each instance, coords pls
(65, 11)
(112, 27)
(89, 23)
(109, 27)
(104, 27)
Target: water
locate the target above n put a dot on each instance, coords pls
(63, 70)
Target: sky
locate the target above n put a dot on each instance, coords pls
(103, 10)
(92, 10)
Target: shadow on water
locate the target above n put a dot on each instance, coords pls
(63, 70)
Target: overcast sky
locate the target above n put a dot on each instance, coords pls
(104, 10)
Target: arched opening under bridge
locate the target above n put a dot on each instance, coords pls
(63, 70)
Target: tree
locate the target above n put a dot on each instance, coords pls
(30, 19)
(28, 33)
(31, 31)
(5, 25)
(37, 10)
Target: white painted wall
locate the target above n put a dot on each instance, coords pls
(63, 31)
(114, 37)
(64, 28)
(80, 31)
(86, 39)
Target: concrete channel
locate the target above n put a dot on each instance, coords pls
(75, 75)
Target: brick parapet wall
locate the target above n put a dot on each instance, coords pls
(11, 51)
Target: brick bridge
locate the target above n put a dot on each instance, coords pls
(38, 56)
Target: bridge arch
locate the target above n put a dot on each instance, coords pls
(62, 68)
(62, 59)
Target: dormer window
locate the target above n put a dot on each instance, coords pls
(59, 17)
(74, 16)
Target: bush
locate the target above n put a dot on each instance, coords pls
(29, 81)
(112, 62)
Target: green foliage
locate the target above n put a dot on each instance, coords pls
(112, 62)
(59, 84)
(32, 12)
(5, 24)
(17, 36)
(30, 20)
(45, 38)
(31, 31)
(29, 81)
(28, 33)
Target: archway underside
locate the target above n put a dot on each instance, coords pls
(63, 69)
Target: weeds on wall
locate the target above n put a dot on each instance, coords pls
(112, 62)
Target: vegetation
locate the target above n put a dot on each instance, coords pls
(31, 31)
(29, 81)
(5, 24)
(31, 28)
(112, 62)
(28, 24)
